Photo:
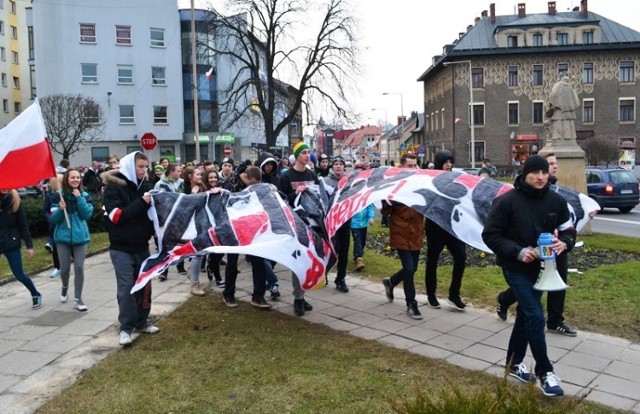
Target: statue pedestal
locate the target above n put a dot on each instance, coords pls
(571, 171)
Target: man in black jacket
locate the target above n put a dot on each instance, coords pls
(513, 226)
(126, 200)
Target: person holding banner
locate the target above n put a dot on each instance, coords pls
(13, 229)
(514, 223)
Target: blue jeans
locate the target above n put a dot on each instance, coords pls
(359, 241)
(15, 263)
(409, 262)
(269, 275)
(133, 309)
(529, 326)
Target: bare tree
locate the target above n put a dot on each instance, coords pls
(71, 121)
(600, 150)
(276, 71)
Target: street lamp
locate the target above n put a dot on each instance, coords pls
(401, 104)
(472, 151)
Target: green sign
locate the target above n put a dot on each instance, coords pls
(225, 138)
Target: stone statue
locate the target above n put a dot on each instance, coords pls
(561, 109)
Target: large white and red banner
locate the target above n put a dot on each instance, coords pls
(257, 221)
(25, 153)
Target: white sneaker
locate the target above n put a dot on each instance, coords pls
(64, 296)
(79, 305)
(151, 329)
(124, 339)
(55, 273)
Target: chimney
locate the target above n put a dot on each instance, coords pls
(401, 120)
(492, 11)
(484, 13)
(469, 27)
(584, 10)
(522, 9)
(552, 7)
(476, 20)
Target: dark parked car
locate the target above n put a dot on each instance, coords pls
(613, 187)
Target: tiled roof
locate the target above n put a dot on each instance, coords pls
(355, 139)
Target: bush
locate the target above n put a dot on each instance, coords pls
(38, 225)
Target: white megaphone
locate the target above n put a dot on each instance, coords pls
(549, 278)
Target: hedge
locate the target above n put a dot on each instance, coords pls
(38, 226)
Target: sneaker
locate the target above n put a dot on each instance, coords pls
(55, 273)
(36, 302)
(413, 312)
(501, 309)
(220, 283)
(48, 247)
(306, 305)
(298, 307)
(563, 329)
(432, 302)
(359, 264)
(79, 305)
(150, 329)
(275, 293)
(63, 294)
(550, 385)
(341, 285)
(196, 290)
(457, 302)
(230, 301)
(163, 276)
(260, 303)
(124, 338)
(182, 270)
(521, 372)
(388, 288)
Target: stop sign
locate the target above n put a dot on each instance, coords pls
(227, 150)
(148, 141)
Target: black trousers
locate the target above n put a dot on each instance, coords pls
(437, 239)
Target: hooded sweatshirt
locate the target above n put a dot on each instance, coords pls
(264, 159)
(130, 227)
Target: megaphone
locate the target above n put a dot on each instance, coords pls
(549, 279)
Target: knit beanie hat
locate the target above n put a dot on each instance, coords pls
(159, 168)
(298, 148)
(340, 160)
(535, 163)
(227, 160)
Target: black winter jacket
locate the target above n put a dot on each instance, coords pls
(13, 226)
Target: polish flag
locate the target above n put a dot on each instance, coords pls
(25, 153)
(209, 73)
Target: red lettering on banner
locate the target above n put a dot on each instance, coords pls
(290, 219)
(315, 273)
(504, 189)
(214, 236)
(469, 181)
(397, 188)
(346, 209)
(247, 227)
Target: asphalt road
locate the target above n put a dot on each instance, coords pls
(613, 222)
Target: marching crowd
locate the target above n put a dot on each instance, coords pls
(124, 186)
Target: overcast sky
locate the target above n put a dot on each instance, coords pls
(400, 37)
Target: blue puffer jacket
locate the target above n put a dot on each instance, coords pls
(79, 210)
(362, 217)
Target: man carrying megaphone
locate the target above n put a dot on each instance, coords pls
(512, 229)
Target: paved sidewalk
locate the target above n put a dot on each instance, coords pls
(42, 352)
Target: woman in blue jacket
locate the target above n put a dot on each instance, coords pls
(359, 224)
(72, 236)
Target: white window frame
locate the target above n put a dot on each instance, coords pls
(533, 112)
(534, 72)
(13, 6)
(1, 27)
(16, 82)
(626, 121)
(129, 116)
(5, 106)
(14, 32)
(593, 110)
(587, 73)
(158, 81)
(535, 38)
(92, 114)
(517, 76)
(473, 119)
(4, 80)
(629, 71)
(88, 33)
(123, 77)
(156, 42)
(87, 76)
(158, 119)
(517, 104)
(123, 35)
(15, 58)
(17, 107)
(482, 145)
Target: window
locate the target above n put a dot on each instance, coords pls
(158, 75)
(17, 107)
(5, 106)
(478, 114)
(587, 37)
(127, 114)
(587, 111)
(134, 148)
(479, 152)
(537, 40)
(626, 71)
(4, 80)
(513, 113)
(627, 110)
(100, 153)
(16, 82)
(89, 73)
(168, 151)
(87, 33)
(1, 27)
(513, 76)
(160, 115)
(536, 75)
(14, 32)
(92, 113)
(123, 35)
(157, 37)
(125, 74)
(587, 73)
(14, 57)
(538, 112)
(563, 70)
(512, 41)
(562, 38)
(477, 77)
(12, 5)
(3, 54)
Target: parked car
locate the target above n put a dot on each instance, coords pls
(28, 192)
(613, 188)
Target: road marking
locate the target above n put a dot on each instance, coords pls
(637, 223)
